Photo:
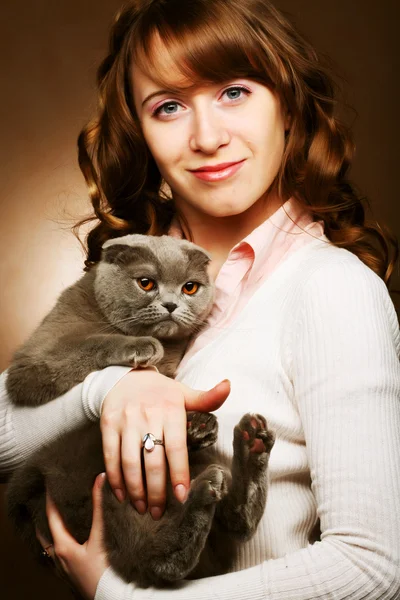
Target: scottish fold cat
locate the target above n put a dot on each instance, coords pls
(138, 306)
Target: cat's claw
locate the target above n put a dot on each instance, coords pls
(145, 352)
(210, 486)
(218, 485)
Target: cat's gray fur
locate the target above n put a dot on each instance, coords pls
(92, 326)
(106, 319)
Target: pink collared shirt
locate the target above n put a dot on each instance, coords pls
(250, 262)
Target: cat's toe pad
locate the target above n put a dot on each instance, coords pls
(254, 432)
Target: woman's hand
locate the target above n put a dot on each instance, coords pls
(83, 564)
(145, 401)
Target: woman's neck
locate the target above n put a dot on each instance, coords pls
(218, 235)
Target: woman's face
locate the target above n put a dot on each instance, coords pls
(239, 122)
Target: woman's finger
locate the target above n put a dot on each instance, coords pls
(175, 439)
(44, 542)
(209, 400)
(112, 459)
(62, 539)
(132, 468)
(96, 531)
(48, 548)
(155, 465)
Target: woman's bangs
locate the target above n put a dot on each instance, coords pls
(205, 50)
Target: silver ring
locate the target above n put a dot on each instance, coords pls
(45, 554)
(150, 441)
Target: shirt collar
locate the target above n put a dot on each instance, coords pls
(289, 226)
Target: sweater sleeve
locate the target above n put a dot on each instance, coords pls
(25, 429)
(346, 381)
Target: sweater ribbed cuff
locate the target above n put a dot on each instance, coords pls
(96, 387)
(111, 587)
(234, 586)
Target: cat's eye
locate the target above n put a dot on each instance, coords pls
(190, 288)
(146, 284)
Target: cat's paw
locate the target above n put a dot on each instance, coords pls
(209, 487)
(145, 351)
(202, 430)
(253, 434)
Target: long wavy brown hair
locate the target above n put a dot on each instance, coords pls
(216, 41)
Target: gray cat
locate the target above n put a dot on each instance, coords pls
(139, 306)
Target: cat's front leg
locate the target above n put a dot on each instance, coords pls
(242, 508)
(133, 351)
(34, 380)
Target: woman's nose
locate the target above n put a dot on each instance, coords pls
(209, 132)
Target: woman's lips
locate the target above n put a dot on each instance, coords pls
(218, 175)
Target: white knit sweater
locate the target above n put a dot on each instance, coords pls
(316, 350)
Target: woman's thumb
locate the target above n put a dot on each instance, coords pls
(209, 400)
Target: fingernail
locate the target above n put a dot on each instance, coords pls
(120, 494)
(140, 506)
(100, 479)
(180, 492)
(156, 512)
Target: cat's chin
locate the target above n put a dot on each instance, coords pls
(166, 329)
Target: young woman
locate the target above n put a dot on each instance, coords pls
(216, 123)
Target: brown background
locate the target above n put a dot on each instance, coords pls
(48, 60)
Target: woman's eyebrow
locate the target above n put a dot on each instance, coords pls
(158, 93)
(169, 91)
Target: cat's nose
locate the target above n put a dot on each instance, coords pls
(170, 306)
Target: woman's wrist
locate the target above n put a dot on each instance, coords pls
(97, 386)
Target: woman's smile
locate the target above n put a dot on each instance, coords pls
(218, 172)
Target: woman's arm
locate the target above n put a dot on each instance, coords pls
(346, 374)
(128, 403)
(23, 429)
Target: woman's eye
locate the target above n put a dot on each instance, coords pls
(190, 288)
(171, 107)
(146, 284)
(235, 92)
(168, 108)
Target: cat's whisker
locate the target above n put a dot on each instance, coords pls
(131, 320)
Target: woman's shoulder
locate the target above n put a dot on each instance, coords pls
(335, 282)
(328, 265)
(321, 274)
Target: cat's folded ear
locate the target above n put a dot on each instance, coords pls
(121, 251)
(118, 254)
(198, 257)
